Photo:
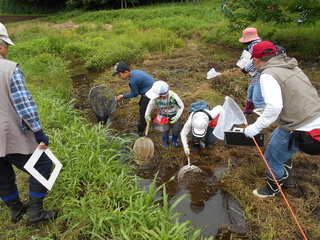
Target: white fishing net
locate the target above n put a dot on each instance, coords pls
(230, 115)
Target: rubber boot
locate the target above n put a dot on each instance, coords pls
(249, 108)
(18, 209)
(270, 189)
(165, 139)
(209, 146)
(37, 213)
(174, 140)
(287, 179)
(195, 148)
(140, 130)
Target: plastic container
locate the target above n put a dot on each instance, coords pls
(161, 123)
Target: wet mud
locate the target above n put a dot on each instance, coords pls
(205, 204)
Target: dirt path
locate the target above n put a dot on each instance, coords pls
(12, 19)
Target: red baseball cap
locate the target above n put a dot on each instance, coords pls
(263, 48)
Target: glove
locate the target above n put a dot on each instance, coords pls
(174, 119)
(41, 137)
(148, 118)
(251, 131)
(244, 71)
(186, 150)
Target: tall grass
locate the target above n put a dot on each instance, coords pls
(97, 191)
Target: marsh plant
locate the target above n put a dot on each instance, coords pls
(97, 192)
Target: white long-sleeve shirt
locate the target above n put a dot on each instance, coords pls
(188, 125)
(271, 92)
(166, 106)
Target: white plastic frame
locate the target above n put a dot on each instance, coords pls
(29, 166)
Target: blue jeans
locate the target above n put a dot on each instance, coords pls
(277, 151)
(209, 138)
(254, 95)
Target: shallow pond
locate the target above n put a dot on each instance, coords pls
(205, 204)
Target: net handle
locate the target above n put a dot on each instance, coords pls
(147, 128)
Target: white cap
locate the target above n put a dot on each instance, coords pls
(159, 88)
(4, 35)
(200, 122)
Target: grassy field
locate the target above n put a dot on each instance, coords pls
(97, 192)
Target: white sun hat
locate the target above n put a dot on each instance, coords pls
(159, 88)
(200, 123)
(4, 35)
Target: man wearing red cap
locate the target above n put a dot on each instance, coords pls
(254, 97)
(292, 101)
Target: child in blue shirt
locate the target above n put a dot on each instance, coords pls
(139, 83)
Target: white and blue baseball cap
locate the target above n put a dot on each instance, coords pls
(200, 122)
(159, 88)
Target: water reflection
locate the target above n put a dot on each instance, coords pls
(206, 205)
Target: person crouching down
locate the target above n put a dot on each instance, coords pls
(171, 107)
(202, 123)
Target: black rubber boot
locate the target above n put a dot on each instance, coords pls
(17, 208)
(140, 130)
(209, 146)
(270, 189)
(287, 179)
(195, 148)
(37, 213)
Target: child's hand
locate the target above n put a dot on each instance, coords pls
(148, 118)
(174, 119)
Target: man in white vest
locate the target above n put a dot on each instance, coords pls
(292, 101)
(20, 134)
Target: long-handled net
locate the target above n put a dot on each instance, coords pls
(213, 73)
(102, 101)
(187, 168)
(143, 149)
(231, 115)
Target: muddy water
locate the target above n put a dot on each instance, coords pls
(205, 204)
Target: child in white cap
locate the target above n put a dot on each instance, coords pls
(202, 123)
(171, 107)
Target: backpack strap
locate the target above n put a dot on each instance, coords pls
(171, 98)
(294, 135)
(204, 111)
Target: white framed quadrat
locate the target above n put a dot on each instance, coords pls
(29, 166)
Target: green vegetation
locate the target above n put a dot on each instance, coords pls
(242, 12)
(97, 192)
